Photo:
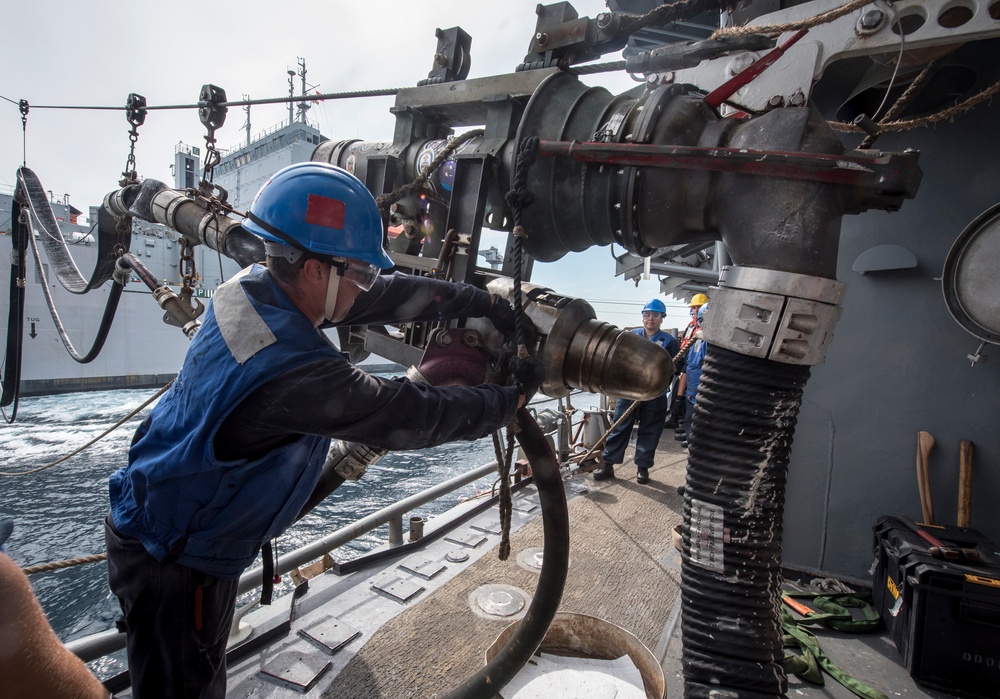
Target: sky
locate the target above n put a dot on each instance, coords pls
(96, 52)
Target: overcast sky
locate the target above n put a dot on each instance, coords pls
(96, 52)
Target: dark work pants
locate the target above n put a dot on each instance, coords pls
(688, 417)
(177, 622)
(651, 415)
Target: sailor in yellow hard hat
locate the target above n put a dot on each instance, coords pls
(675, 418)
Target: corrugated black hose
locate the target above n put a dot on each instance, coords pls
(30, 188)
(15, 312)
(741, 437)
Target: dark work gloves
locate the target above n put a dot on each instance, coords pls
(501, 314)
(528, 375)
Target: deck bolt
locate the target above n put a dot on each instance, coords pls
(870, 22)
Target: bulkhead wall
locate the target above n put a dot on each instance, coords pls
(897, 365)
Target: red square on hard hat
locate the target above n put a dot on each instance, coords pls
(324, 211)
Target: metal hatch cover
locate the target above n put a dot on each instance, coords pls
(295, 670)
(329, 634)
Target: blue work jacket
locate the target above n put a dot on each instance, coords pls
(662, 338)
(175, 493)
(695, 359)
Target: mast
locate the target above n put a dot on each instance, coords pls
(246, 125)
(303, 105)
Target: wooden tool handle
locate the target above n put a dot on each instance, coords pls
(965, 451)
(925, 442)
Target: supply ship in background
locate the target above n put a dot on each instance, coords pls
(828, 178)
(141, 350)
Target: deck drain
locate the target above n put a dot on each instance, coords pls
(457, 556)
(498, 601)
(531, 559)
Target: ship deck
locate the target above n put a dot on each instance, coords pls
(623, 569)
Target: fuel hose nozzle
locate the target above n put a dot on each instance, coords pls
(580, 352)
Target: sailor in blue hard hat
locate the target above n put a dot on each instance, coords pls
(651, 414)
(235, 449)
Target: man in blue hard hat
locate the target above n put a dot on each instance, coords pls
(651, 414)
(233, 451)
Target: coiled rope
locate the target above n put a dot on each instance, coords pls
(814, 21)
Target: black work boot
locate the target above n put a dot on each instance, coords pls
(603, 474)
(642, 476)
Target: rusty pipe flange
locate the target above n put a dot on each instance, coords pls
(780, 316)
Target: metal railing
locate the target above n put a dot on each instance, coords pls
(559, 427)
(103, 643)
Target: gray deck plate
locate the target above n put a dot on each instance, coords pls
(423, 567)
(329, 634)
(399, 589)
(467, 538)
(296, 670)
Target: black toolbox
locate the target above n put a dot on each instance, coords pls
(943, 615)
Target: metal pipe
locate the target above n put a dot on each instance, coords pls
(886, 171)
(694, 273)
(190, 217)
(396, 531)
(416, 528)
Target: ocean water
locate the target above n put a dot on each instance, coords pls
(59, 512)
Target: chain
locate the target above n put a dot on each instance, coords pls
(128, 174)
(123, 226)
(135, 114)
(212, 156)
(212, 113)
(23, 108)
(188, 270)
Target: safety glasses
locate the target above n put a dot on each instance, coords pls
(649, 315)
(359, 274)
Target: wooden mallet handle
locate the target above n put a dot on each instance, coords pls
(965, 451)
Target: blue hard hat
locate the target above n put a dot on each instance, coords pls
(656, 306)
(322, 209)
